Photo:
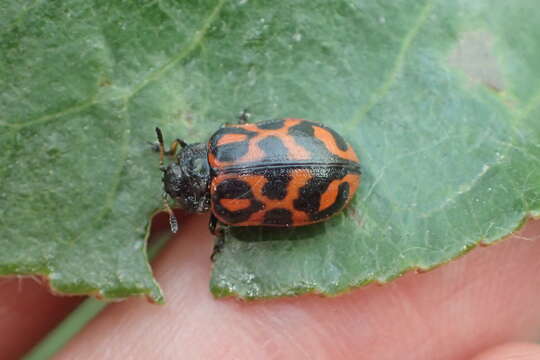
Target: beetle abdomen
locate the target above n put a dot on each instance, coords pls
(291, 196)
(288, 172)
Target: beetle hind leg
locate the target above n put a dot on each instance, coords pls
(244, 116)
(216, 228)
(218, 246)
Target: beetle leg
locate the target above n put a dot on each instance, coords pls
(243, 118)
(173, 222)
(174, 147)
(161, 147)
(212, 223)
(218, 246)
(216, 229)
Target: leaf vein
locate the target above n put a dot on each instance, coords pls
(381, 92)
(463, 189)
(49, 117)
(184, 53)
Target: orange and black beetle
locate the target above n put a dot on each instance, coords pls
(288, 172)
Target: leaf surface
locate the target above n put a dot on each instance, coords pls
(438, 98)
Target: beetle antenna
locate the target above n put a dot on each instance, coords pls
(161, 146)
(173, 222)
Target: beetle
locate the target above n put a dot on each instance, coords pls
(281, 173)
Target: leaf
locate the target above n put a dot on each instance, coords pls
(437, 98)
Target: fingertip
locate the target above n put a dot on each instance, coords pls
(515, 350)
(28, 311)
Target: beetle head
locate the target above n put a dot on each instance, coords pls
(187, 179)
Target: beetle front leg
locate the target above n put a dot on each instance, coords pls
(160, 147)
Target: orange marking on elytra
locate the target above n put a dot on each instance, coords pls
(213, 161)
(254, 153)
(249, 126)
(299, 178)
(294, 151)
(231, 138)
(330, 195)
(328, 139)
(235, 204)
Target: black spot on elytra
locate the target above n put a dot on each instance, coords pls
(303, 129)
(273, 148)
(234, 189)
(304, 135)
(340, 142)
(278, 217)
(271, 124)
(341, 199)
(232, 151)
(309, 198)
(277, 181)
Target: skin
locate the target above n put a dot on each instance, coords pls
(483, 306)
(27, 312)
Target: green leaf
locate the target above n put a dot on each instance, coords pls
(439, 99)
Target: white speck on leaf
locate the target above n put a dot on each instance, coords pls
(55, 276)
